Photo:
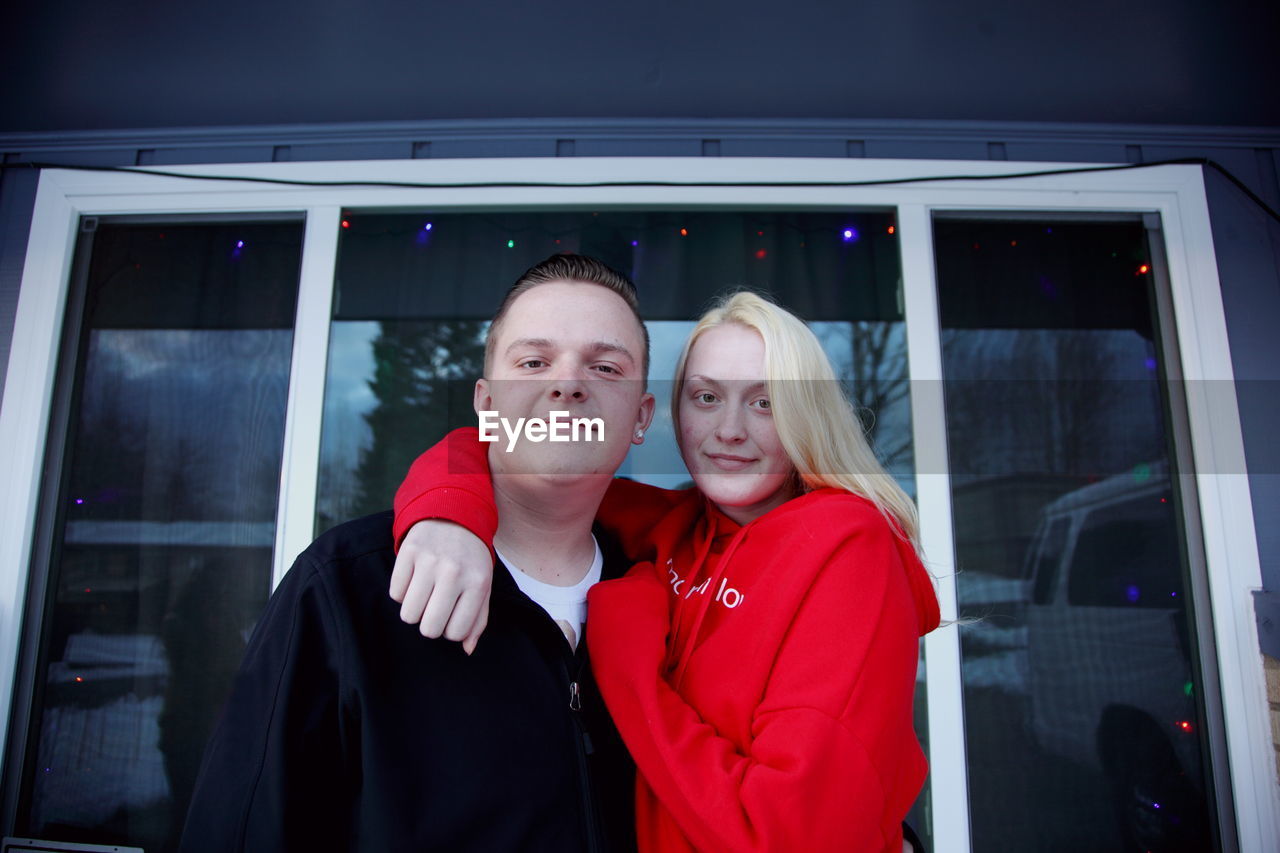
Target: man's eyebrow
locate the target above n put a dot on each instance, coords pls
(594, 346)
(612, 347)
(535, 343)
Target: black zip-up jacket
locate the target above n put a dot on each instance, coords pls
(347, 730)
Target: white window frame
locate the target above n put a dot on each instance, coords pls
(1176, 193)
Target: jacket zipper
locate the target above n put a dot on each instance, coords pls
(594, 842)
(573, 679)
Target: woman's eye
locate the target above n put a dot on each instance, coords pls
(704, 397)
(763, 404)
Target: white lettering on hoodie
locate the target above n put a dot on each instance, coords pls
(725, 594)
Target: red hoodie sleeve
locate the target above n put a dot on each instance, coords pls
(833, 762)
(451, 482)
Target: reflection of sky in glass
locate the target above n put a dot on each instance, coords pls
(657, 461)
(181, 424)
(347, 398)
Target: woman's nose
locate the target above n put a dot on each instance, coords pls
(731, 428)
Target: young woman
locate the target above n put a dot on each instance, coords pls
(760, 662)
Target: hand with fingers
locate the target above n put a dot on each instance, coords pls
(442, 579)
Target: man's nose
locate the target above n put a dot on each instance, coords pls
(568, 385)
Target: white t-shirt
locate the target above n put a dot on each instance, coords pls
(567, 605)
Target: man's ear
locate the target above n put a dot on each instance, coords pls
(644, 418)
(481, 399)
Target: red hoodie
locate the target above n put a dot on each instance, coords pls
(761, 675)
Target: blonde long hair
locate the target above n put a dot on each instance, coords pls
(815, 421)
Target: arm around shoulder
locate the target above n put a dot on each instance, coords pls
(630, 510)
(449, 481)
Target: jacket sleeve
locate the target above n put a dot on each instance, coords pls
(832, 755)
(451, 481)
(274, 775)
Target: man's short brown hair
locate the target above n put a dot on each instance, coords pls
(573, 268)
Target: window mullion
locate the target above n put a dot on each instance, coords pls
(948, 776)
(298, 476)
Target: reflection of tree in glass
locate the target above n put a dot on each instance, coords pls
(111, 451)
(1065, 402)
(879, 377)
(180, 425)
(870, 358)
(424, 373)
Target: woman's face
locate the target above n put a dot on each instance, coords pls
(727, 434)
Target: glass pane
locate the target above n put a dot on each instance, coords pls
(165, 521)
(1082, 709)
(415, 292)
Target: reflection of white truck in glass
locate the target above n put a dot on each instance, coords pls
(1109, 657)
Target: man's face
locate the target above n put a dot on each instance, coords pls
(566, 347)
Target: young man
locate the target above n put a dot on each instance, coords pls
(347, 730)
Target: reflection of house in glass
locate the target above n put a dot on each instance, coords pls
(100, 755)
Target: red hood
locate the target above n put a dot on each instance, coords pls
(723, 530)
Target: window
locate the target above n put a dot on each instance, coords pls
(385, 291)
(1055, 419)
(163, 521)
